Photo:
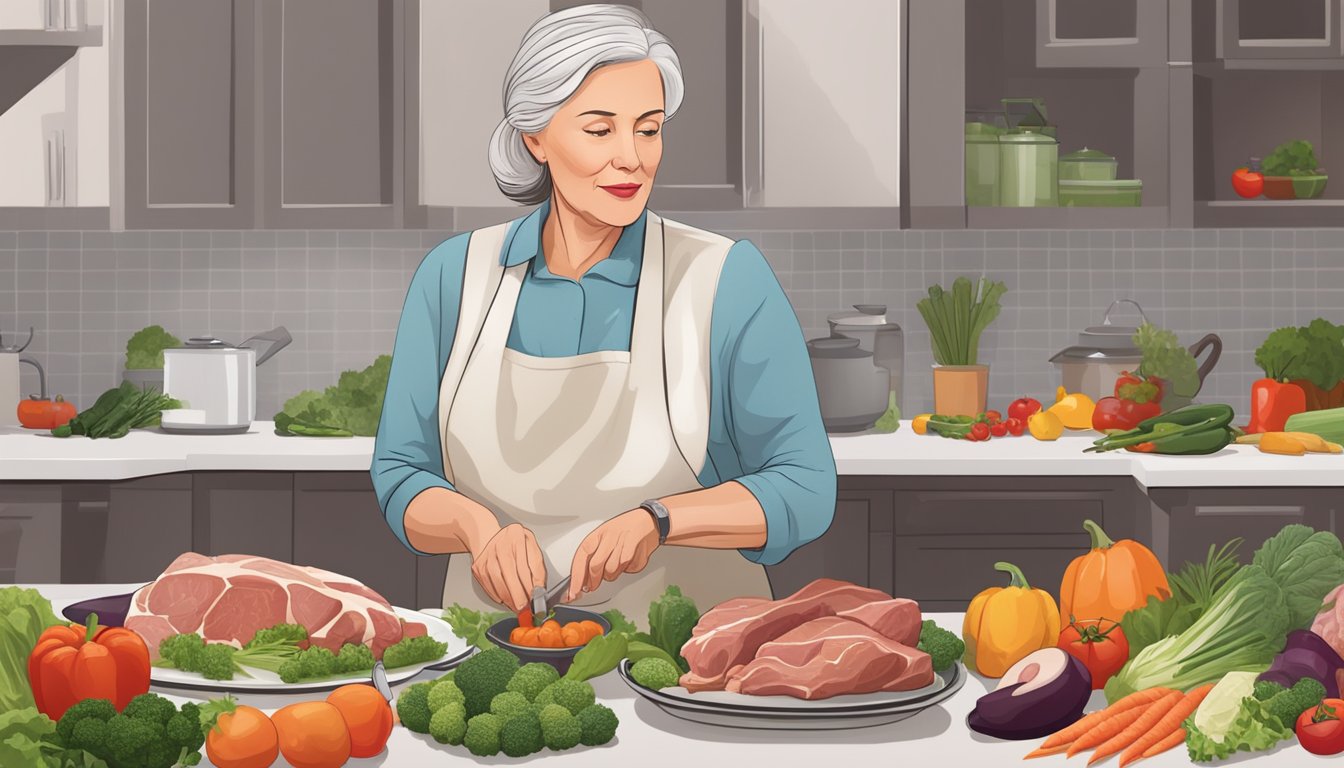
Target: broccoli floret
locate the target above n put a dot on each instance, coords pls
(559, 728)
(509, 705)
(183, 651)
(574, 695)
(310, 664)
(530, 679)
(130, 740)
(290, 634)
(413, 650)
(445, 693)
(943, 647)
(599, 725)
(448, 725)
(483, 677)
(413, 707)
(89, 734)
(482, 737)
(1288, 705)
(655, 673)
(87, 709)
(671, 619)
(1267, 689)
(184, 729)
(217, 662)
(521, 736)
(354, 658)
(151, 706)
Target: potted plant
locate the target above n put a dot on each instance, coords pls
(956, 319)
(1291, 172)
(144, 356)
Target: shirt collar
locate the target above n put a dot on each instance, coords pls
(621, 267)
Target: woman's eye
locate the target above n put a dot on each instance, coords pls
(599, 132)
(649, 132)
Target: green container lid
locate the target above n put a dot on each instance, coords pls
(986, 132)
(1086, 155)
(1026, 137)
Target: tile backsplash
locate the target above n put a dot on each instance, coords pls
(340, 294)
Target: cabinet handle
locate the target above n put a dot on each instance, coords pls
(760, 105)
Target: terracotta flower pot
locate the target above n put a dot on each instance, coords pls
(960, 390)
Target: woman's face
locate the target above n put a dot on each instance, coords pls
(604, 145)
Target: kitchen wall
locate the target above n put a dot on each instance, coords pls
(340, 294)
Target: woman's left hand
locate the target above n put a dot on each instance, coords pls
(623, 544)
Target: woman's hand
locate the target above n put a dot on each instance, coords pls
(509, 566)
(623, 544)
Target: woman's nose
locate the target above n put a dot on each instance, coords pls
(626, 158)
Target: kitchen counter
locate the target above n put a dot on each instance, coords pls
(35, 455)
(935, 736)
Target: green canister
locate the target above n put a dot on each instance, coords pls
(982, 163)
(1028, 169)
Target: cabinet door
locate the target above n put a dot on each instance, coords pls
(188, 83)
(338, 526)
(244, 513)
(125, 531)
(331, 74)
(1199, 517)
(824, 88)
(1100, 33)
(1280, 29)
(846, 551)
(30, 533)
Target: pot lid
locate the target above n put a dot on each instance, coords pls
(1106, 341)
(1086, 155)
(206, 342)
(836, 347)
(986, 132)
(867, 314)
(1027, 137)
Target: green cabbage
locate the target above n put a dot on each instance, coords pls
(1231, 719)
(1307, 564)
(23, 615)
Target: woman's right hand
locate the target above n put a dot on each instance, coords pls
(509, 566)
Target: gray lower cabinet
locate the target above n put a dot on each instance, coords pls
(1198, 517)
(243, 513)
(30, 533)
(124, 531)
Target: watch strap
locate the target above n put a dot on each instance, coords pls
(660, 517)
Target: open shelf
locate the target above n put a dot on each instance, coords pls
(89, 37)
(1145, 217)
(1321, 212)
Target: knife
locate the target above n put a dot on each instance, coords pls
(380, 681)
(544, 601)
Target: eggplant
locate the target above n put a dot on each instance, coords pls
(1044, 692)
(1307, 654)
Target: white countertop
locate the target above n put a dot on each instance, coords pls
(36, 455)
(647, 736)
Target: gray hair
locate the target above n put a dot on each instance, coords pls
(555, 56)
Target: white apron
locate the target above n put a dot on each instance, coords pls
(560, 445)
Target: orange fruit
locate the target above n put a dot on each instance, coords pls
(367, 715)
(550, 637)
(242, 738)
(516, 636)
(591, 629)
(572, 636)
(313, 734)
(530, 637)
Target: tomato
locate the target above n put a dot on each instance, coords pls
(367, 715)
(993, 417)
(1248, 183)
(313, 734)
(980, 431)
(242, 738)
(525, 617)
(1099, 644)
(1320, 730)
(998, 429)
(1023, 407)
(1015, 426)
(41, 413)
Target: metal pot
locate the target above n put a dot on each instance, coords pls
(883, 339)
(216, 382)
(851, 390)
(11, 389)
(1106, 351)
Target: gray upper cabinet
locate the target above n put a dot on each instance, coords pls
(823, 92)
(1100, 33)
(330, 73)
(188, 89)
(1280, 29)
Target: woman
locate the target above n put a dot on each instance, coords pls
(592, 390)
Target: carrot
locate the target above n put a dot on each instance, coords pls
(1046, 751)
(1174, 740)
(1138, 728)
(1067, 735)
(1169, 723)
(1106, 729)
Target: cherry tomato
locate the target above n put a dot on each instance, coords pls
(1320, 730)
(1023, 407)
(1016, 427)
(1099, 644)
(1248, 183)
(993, 417)
(980, 431)
(998, 429)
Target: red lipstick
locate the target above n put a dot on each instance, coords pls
(623, 191)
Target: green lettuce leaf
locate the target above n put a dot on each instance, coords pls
(23, 615)
(472, 625)
(1253, 730)
(598, 657)
(1307, 564)
(353, 405)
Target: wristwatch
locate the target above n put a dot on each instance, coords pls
(659, 512)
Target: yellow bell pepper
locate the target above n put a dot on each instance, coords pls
(1004, 624)
(1074, 410)
(921, 423)
(1045, 425)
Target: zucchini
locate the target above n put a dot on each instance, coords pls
(1329, 424)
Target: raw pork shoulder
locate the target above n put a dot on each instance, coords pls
(226, 599)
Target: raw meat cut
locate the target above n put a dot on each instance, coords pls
(226, 599)
(897, 618)
(730, 633)
(1329, 623)
(830, 656)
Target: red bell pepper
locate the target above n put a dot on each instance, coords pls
(1139, 388)
(1272, 402)
(73, 662)
(1119, 414)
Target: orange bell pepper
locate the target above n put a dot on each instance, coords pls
(74, 662)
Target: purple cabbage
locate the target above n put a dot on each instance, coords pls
(1307, 654)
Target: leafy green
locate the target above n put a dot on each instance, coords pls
(144, 350)
(598, 657)
(24, 613)
(1307, 564)
(957, 319)
(1166, 358)
(471, 625)
(891, 420)
(1242, 630)
(1192, 588)
(117, 411)
(671, 619)
(1252, 729)
(352, 406)
(1280, 351)
(411, 650)
(619, 623)
(1291, 158)
(1323, 361)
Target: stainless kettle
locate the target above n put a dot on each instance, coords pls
(11, 388)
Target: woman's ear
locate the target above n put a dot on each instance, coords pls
(533, 144)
